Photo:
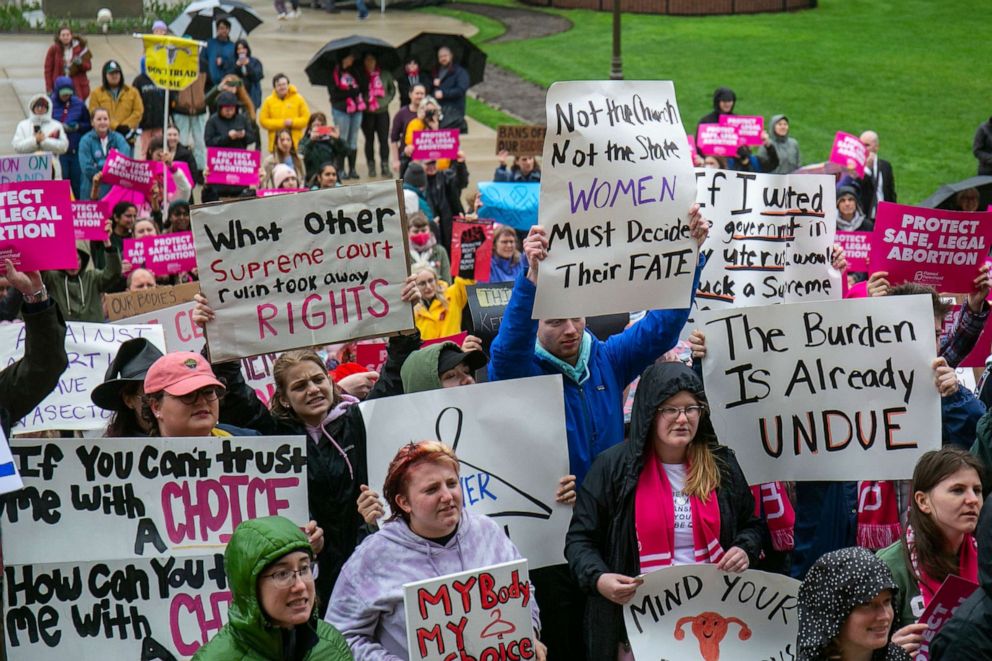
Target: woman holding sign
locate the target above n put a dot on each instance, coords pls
(648, 503)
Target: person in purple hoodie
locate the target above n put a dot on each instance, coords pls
(428, 535)
(71, 111)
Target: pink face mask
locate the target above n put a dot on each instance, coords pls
(420, 240)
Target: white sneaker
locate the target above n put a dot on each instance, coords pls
(297, 13)
(281, 16)
(291, 14)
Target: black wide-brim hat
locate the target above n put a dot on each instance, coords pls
(130, 365)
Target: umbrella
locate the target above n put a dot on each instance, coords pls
(944, 197)
(197, 20)
(321, 65)
(423, 48)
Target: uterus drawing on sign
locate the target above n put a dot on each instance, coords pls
(710, 628)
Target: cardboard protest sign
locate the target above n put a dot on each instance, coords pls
(717, 140)
(486, 303)
(616, 189)
(303, 270)
(30, 167)
(171, 62)
(489, 440)
(699, 613)
(936, 247)
(233, 167)
(849, 152)
(91, 348)
(471, 250)
(162, 254)
(513, 204)
(833, 390)
(952, 592)
(36, 230)
(520, 139)
(857, 248)
(130, 303)
(432, 145)
(120, 170)
(88, 221)
(477, 614)
(10, 478)
(115, 545)
(749, 128)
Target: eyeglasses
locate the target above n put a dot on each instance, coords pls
(209, 394)
(286, 578)
(673, 412)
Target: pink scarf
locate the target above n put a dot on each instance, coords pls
(878, 515)
(967, 565)
(654, 519)
(771, 498)
(376, 89)
(343, 80)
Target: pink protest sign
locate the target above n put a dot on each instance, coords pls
(857, 246)
(849, 153)
(165, 254)
(692, 146)
(158, 167)
(269, 192)
(717, 140)
(457, 338)
(88, 221)
(119, 170)
(232, 167)
(749, 127)
(983, 345)
(432, 145)
(36, 231)
(949, 596)
(371, 355)
(934, 247)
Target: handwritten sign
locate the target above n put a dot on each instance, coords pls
(130, 303)
(31, 167)
(479, 614)
(520, 140)
(717, 140)
(153, 578)
(749, 128)
(163, 254)
(432, 145)
(615, 196)
(120, 170)
(699, 613)
(857, 248)
(849, 152)
(486, 303)
(489, 440)
(471, 250)
(513, 204)
(934, 247)
(303, 270)
(232, 167)
(835, 390)
(952, 592)
(36, 229)
(88, 221)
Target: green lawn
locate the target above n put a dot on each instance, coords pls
(916, 71)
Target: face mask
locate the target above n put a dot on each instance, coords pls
(420, 240)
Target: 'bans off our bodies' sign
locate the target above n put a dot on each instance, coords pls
(302, 270)
(36, 226)
(834, 390)
(616, 189)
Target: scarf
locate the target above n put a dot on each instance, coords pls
(315, 432)
(853, 224)
(343, 80)
(376, 89)
(967, 565)
(654, 519)
(878, 515)
(578, 372)
(779, 515)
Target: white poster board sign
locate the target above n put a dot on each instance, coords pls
(30, 167)
(834, 390)
(479, 614)
(10, 479)
(91, 348)
(299, 270)
(492, 441)
(616, 186)
(699, 613)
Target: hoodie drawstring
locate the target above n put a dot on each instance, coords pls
(82, 294)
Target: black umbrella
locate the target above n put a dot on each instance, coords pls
(198, 19)
(944, 197)
(423, 48)
(321, 65)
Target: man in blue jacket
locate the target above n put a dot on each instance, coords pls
(219, 58)
(72, 112)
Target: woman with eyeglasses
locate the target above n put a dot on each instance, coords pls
(273, 613)
(648, 503)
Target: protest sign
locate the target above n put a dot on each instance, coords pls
(513, 204)
(771, 239)
(692, 146)
(171, 62)
(130, 303)
(303, 270)
(30, 167)
(114, 547)
(232, 167)
(371, 355)
(983, 345)
(832, 390)
(849, 152)
(936, 247)
(471, 250)
(432, 145)
(749, 128)
(10, 479)
(520, 140)
(118, 194)
(952, 592)
(699, 613)
(162, 254)
(477, 614)
(489, 440)
(486, 303)
(91, 347)
(36, 229)
(717, 140)
(457, 338)
(88, 221)
(857, 248)
(120, 170)
(616, 189)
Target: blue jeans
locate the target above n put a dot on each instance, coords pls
(71, 171)
(349, 124)
(362, 8)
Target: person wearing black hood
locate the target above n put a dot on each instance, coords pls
(152, 114)
(646, 504)
(231, 128)
(444, 193)
(850, 216)
(724, 100)
(122, 102)
(981, 147)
